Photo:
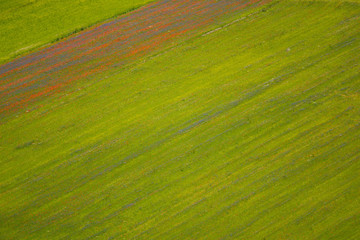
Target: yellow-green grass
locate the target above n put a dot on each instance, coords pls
(331, 1)
(29, 24)
(248, 131)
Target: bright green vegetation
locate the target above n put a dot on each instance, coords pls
(332, 1)
(248, 132)
(29, 24)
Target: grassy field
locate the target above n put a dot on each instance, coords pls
(107, 46)
(28, 24)
(249, 130)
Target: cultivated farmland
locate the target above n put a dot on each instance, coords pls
(106, 46)
(240, 121)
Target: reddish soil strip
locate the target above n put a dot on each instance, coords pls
(30, 78)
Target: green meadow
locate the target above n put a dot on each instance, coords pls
(29, 24)
(250, 130)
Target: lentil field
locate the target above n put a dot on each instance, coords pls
(188, 119)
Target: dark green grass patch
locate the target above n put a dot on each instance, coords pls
(29, 24)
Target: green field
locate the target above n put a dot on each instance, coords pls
(247, 131)
(28, 24)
